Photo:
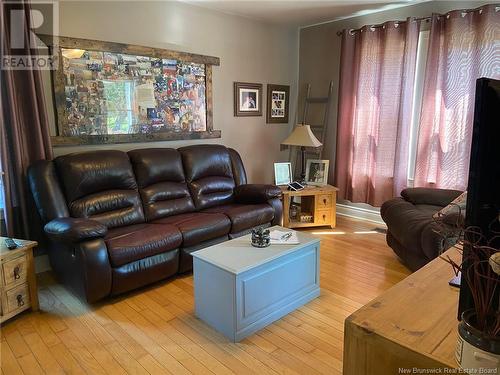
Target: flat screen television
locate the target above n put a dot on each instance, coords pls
(483, 190)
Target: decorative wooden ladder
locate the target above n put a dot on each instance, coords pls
(319, 130)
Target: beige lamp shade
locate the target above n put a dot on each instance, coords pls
(302, 135)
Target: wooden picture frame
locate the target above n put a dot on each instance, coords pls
(247, 99)
(278, 103)
(59, 83)
(317, 172)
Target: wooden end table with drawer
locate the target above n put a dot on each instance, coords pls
(18, 291)
(317, 206)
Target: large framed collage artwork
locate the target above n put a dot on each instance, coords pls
(109, 92)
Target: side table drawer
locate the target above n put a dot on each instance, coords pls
(17, 298)
(14, 271)
(324, 201)
(323, 217)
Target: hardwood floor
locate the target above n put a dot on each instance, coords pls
(154, 330)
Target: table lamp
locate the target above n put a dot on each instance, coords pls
(302, 136)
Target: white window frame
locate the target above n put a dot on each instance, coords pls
(418, 89)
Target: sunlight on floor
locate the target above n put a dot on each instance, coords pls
(328, 232)
(341, 232)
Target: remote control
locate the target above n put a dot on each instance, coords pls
(11, 244)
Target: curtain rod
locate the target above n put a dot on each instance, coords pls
(426, 19)
(377, 26)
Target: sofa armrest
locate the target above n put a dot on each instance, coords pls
(435, 197)
(256, 193)
(436, 239)
(68, 229)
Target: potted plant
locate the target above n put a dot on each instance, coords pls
(478, 345)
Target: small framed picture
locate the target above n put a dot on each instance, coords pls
(282, 173)
(317, 172)
(277, 104)
(247, 99)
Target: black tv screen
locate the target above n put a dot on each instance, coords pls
(483, 189)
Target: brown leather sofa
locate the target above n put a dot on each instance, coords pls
(117, 221)
(411, 231)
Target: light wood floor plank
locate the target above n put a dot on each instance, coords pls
(154, 330)
(9, 363)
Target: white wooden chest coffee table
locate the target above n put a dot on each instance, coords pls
(239, 289)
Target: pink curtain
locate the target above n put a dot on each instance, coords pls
(463, 46)
(24, 138)
(377, 75)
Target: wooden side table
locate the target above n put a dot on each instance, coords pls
(317, 206)
(18, 291)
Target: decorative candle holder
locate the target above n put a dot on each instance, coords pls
(261, 237)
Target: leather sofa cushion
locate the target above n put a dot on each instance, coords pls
(430, 196)
(406, 221)
(162, 185)
(101, 185)
(144, 271)
(198, 227)
(91, 172)
(153, 165)
(244, 216)
(239, 173)
(165, 199)
(209, 174)
(69, 229)
(185, 257)
(134, 242)
(113, 208)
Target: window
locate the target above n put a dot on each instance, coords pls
(422, 49)
(119, 95)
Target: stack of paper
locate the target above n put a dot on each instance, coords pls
(279, 237)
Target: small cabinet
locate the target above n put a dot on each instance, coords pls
(18, 291)
(312, 206)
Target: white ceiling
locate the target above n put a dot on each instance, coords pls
(300, 12)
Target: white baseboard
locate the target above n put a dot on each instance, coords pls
(360, 213)
(42, 263)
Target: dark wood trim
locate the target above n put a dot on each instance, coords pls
(280, 120)
(132, 138)
(209, 98)
(55, 43)
(131, 49)
(246, 85)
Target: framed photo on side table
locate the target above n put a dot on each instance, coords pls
(317, 172)
(277, 104)
(282, 173)
(247, 99)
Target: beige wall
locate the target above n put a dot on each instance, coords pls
(319, 53)
(249, 51)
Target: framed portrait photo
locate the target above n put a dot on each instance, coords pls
(282, 173)
(247, 99)
(277, 104)
(317, 172)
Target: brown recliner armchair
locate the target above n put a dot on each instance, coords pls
(117, 221)
(411, 230)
